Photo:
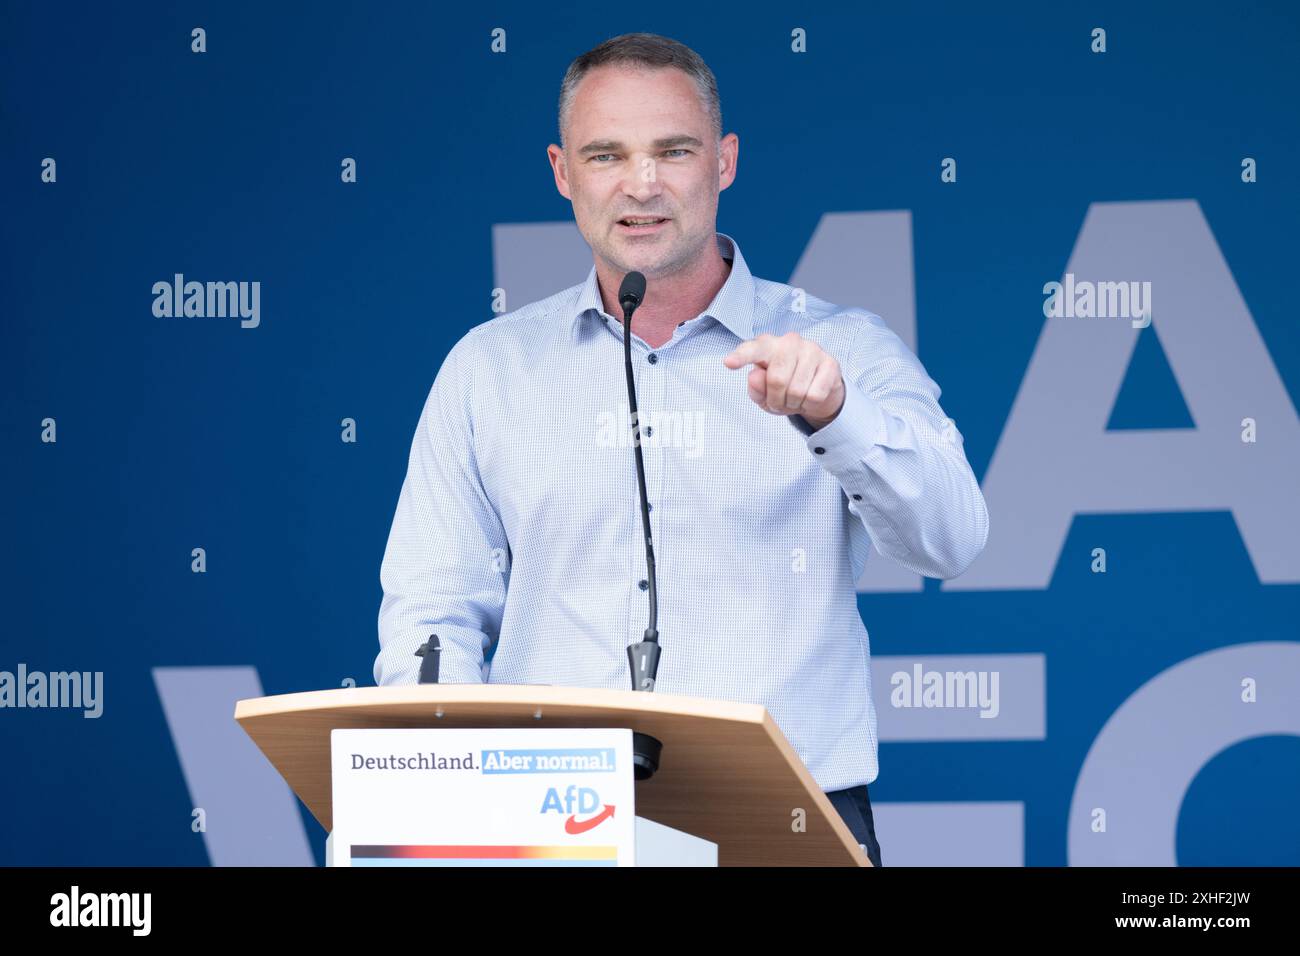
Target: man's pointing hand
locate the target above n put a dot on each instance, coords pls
(791, 376)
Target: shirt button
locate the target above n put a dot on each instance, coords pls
(857, 497)
(820, 451)
(649, 430)
(653, 358)
(643, 584)
(649, 507)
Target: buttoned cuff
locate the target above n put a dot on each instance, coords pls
(844, 442)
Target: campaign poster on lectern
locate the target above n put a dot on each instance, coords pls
(482, 797)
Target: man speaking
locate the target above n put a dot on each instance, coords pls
(518, 527)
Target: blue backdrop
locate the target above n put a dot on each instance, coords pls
(174, 434)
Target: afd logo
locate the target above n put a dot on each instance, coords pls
(586, 799)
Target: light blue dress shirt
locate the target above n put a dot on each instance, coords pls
(518, 527)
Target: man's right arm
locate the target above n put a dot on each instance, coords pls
(445, 567)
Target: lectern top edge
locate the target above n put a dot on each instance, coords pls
(506, 695)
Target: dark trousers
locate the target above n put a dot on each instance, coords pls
(854, 806)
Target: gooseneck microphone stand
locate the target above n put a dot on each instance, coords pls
(643, 657)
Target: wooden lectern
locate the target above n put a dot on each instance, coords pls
(726, 774)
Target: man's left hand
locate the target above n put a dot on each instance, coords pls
(791, 376)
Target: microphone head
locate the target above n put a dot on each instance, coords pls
(632, 291)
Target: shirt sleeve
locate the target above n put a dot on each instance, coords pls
(446, 566)
(900, 459)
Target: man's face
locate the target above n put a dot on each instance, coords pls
(640, 144)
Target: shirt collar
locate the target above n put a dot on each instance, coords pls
(733, 306)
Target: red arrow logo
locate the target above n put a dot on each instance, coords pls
(571, 825)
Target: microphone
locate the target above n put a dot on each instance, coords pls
(643, 657)
(430, 650)
(631, 292)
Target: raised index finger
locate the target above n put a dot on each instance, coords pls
(757, 350)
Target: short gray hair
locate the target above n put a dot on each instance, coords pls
(649, 51)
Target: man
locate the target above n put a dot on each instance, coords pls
(518, 525)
